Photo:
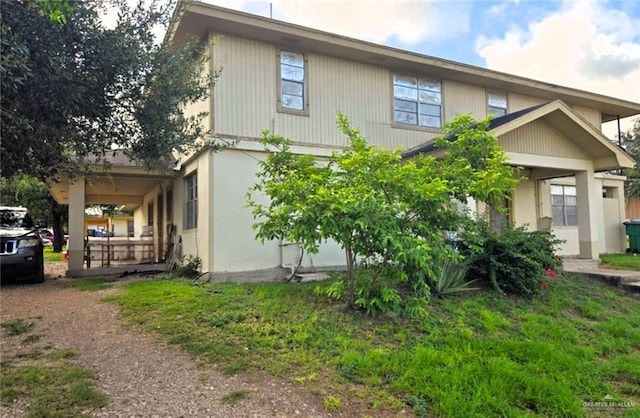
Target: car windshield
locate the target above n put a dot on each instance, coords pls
(15, 219)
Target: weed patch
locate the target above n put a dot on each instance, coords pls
(232, 398)
(18, 326)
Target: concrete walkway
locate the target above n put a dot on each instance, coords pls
(628, 280)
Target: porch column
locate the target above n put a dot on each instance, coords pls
(587, 222)
(75, 248)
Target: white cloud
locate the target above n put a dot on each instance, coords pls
(376, 21)
(584, 45)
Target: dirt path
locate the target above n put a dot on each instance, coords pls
(142, 377)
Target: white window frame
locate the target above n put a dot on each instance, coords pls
(560, 208)
(418, 96)
(191, 201)
(291, 80)
(494, 103)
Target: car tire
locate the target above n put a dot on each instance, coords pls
(39, 278)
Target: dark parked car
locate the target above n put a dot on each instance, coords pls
(21, 248)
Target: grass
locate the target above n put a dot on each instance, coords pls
(46, 381)
(625, 261)
(480, 354)
(50, 256)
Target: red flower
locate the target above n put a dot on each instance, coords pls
(551, 273)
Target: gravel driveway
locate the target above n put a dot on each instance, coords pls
(141, 376)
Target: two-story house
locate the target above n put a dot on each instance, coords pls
(293, 80)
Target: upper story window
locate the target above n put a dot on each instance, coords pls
(564, 205)
(417, 101)
(293, 81)
(191, 209)
(497, 103)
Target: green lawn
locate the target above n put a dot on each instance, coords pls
(50, 256)
(476, 355)
(625, 261)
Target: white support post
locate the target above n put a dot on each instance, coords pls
(587, 222)
(75, 248)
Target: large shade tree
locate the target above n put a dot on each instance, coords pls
(74, 89)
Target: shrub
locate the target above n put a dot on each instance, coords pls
(513, 260)
(377, 293)
(189, 267)
(452, 277)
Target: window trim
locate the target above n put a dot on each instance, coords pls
(187, 187)
(564, 206)
(305, 102)
(417, 126)
(506, 98)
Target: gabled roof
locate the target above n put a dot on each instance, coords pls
(566, 122)
(202, 20)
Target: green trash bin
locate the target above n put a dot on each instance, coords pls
(632, 229)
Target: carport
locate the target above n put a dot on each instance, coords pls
(132, 188)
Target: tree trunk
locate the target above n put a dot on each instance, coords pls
(351, 286)
(58, 235)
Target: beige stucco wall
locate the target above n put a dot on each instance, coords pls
(195, 241)
(234, 245)
(524, 210)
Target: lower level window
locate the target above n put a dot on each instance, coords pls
(564, 205)
(191, 210)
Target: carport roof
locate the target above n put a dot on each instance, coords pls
(122, 182)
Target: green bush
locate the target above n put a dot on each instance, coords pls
(383, 291)
(189, 267)
(513, 260)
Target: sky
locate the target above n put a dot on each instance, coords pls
(585, 44)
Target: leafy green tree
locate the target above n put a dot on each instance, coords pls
(388, 212)
(23, 190)
(631, 143)
(73, 89)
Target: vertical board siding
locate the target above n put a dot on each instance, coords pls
(520, 101)
(246, 98)
(538, 138)
(245, 91)
(462, 98)
(593, 116)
